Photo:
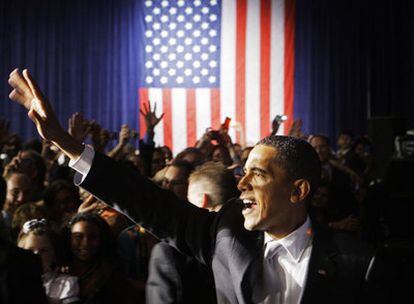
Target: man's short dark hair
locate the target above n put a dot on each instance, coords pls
(183, 164)
(297, 157)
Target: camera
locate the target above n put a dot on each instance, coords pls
(280, 118)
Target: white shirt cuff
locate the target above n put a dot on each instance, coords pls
(83, 164)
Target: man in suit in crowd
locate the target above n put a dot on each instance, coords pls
(261, 248)
(178, 278)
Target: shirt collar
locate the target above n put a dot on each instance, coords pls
(295, 243)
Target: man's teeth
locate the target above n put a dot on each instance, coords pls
(248, 203)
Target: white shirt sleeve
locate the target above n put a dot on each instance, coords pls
(83, 164)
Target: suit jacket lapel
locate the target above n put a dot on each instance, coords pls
(321, 268)
(247, 265)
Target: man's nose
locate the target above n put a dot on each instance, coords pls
(85, 241)
(244, 184)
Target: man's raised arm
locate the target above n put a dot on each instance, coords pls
(27, 93)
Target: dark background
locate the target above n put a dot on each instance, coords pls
(353, 62)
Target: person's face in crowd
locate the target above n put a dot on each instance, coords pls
(322, 148)
(221, 154)
(268, 188)
(18, 191)
(344, 141)
(360, 150)
(175, 180)
(158, 161)
(85, 240)
(65, 205)
(41, 245)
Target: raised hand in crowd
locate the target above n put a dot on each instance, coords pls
(13, 165)
(124, 137)
(78, 127)
(100, 136)
(17, 164)
(49, 152)
(296, 129)
(92, 204)
(150, 117)
(26, 92)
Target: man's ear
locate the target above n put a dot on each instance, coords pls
(301, 189)
(205, 200)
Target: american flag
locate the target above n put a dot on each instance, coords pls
(205, 60)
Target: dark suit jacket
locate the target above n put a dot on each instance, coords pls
(178, 278)
(20, 276)
(338, 270)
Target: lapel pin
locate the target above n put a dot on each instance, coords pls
(322, 272)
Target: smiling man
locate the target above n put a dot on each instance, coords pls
(261, 248)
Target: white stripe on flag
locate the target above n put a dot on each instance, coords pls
(179, 119)
(203, 111)
(252, 72)
(155, 96)
(228, 62)
(277, 67)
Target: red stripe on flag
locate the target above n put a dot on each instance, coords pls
(289, 61)
(241, 65)
(191, 118)
(167, 108)
(143, 98)
(265, 28)
(215, 108)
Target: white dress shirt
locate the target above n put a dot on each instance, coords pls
(83, 164)
(285, 267)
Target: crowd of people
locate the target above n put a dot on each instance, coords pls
(97, 249)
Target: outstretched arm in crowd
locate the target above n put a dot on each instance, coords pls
(26, 93)
(116, 184)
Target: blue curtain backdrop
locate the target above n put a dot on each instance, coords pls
(83, 54)
(353, 59)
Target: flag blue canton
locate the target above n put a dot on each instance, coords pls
(182, 43)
